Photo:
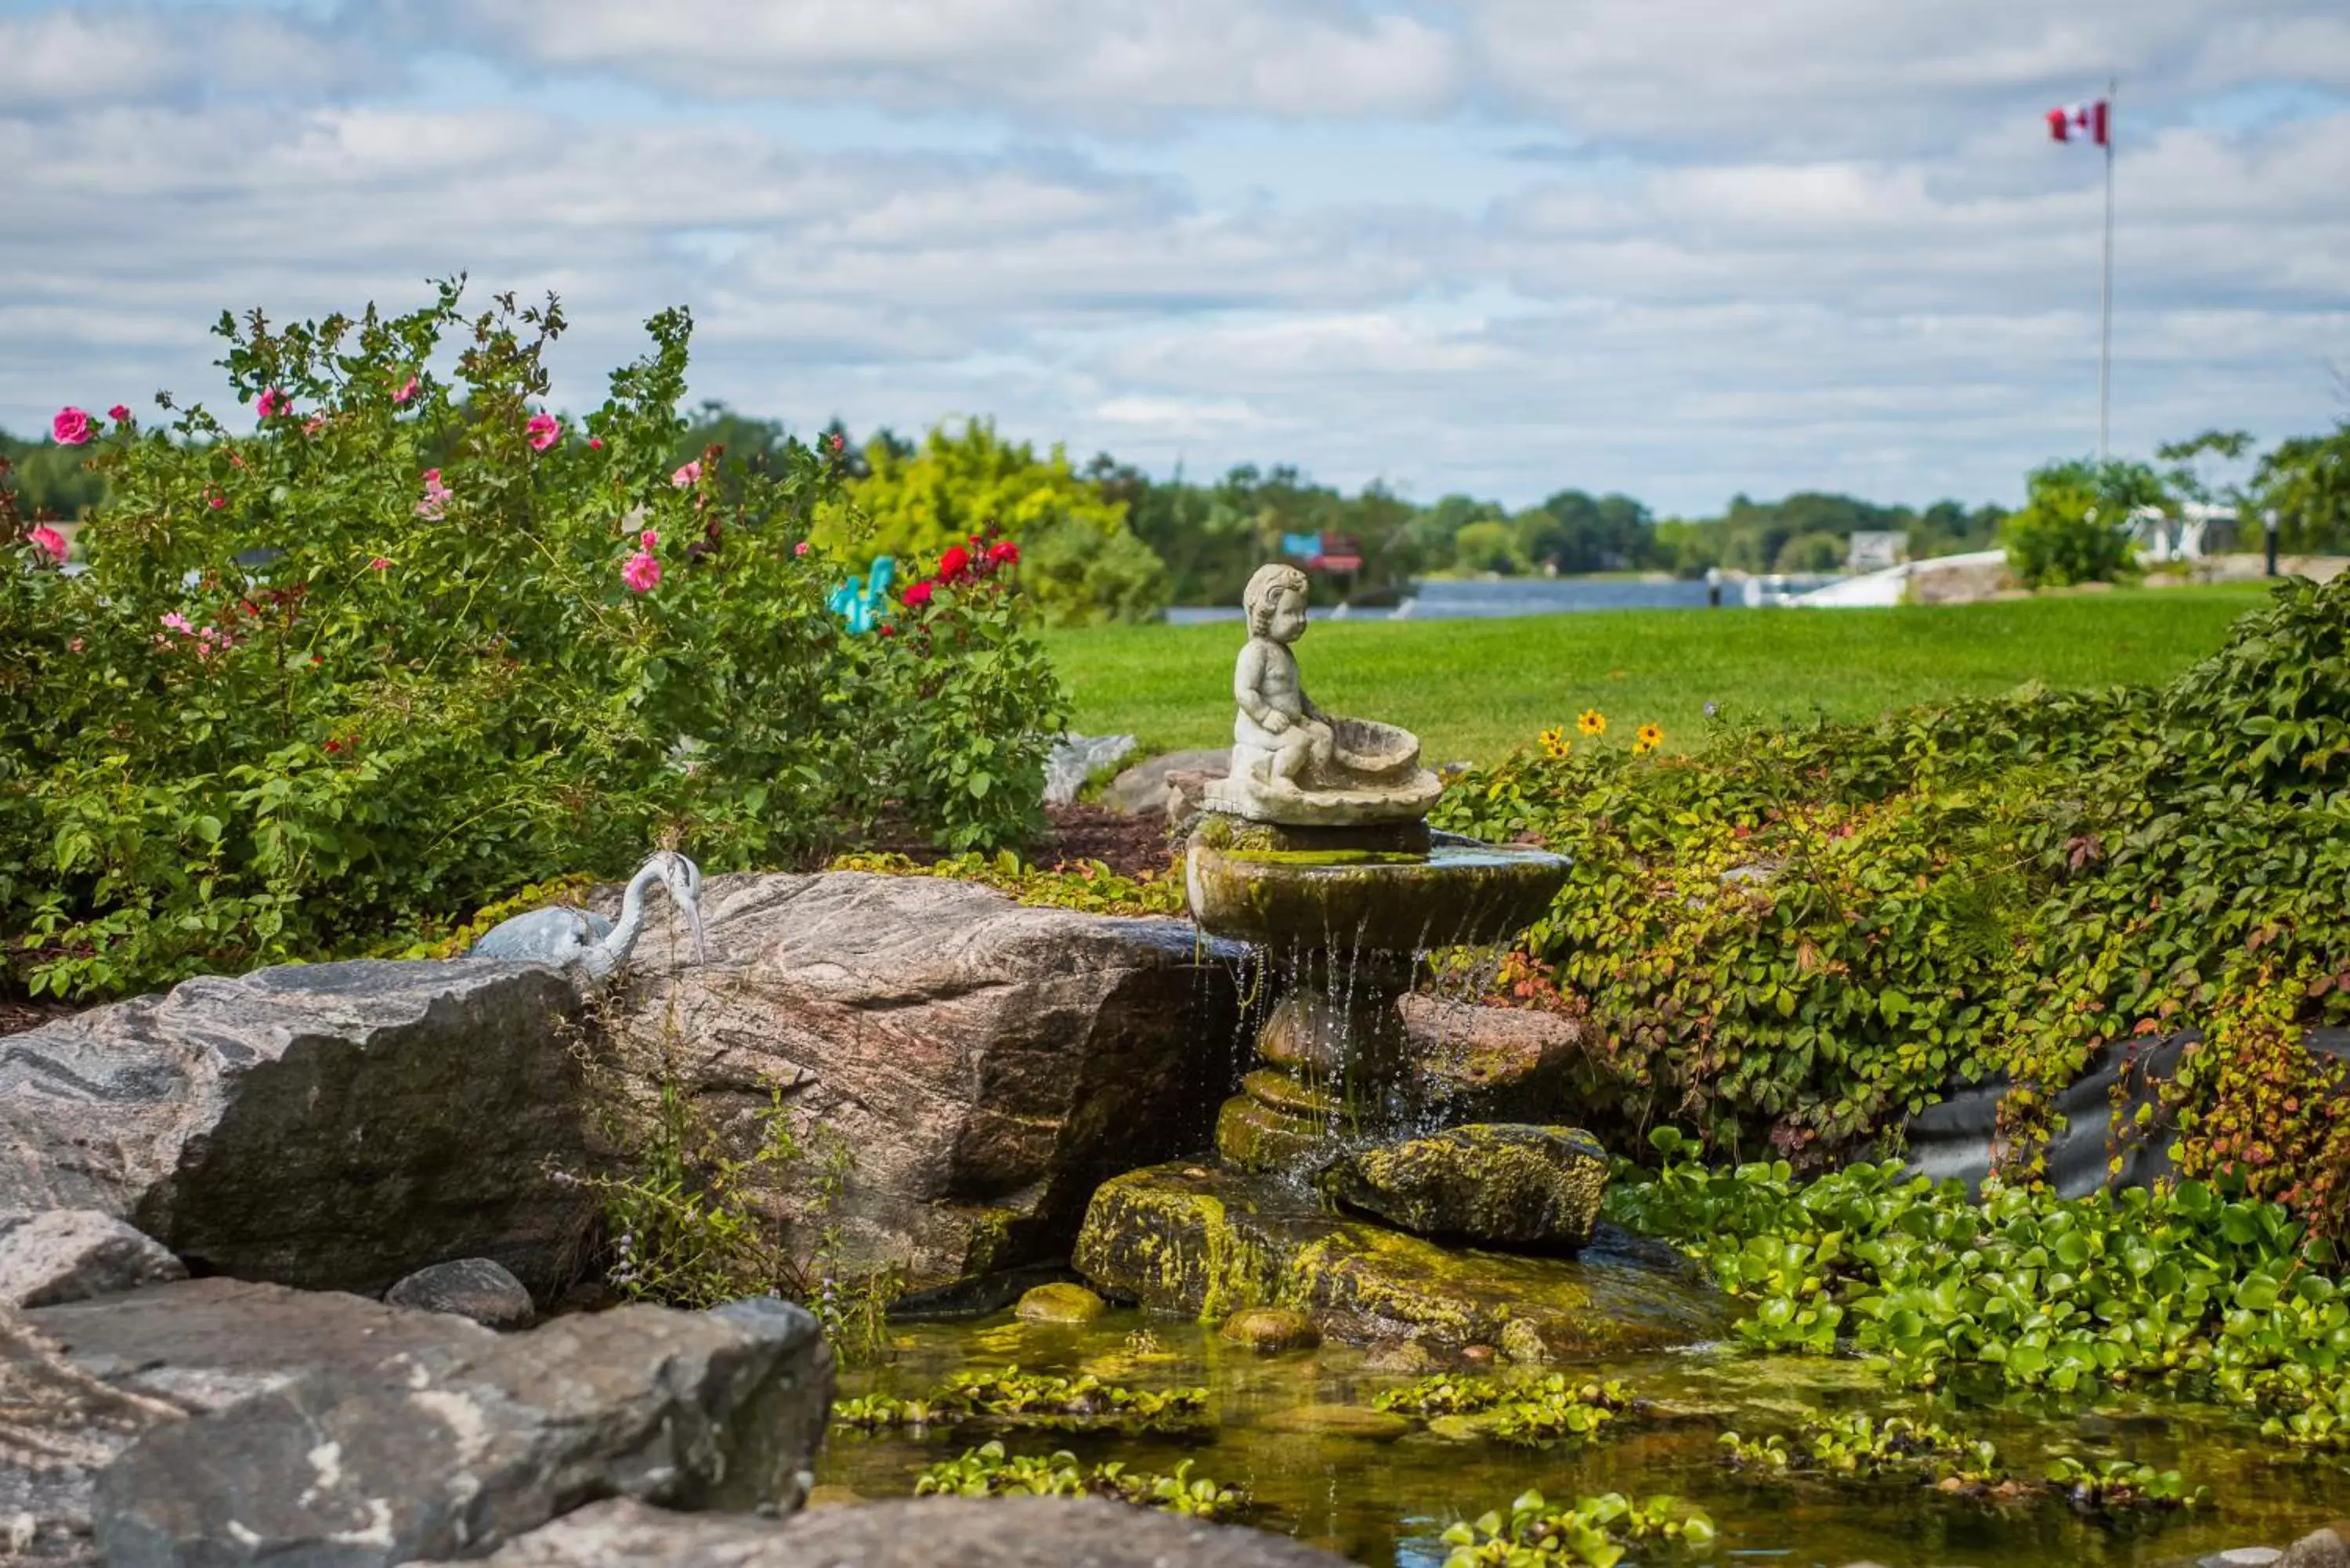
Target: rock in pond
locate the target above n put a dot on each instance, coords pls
(1271, 1329)
(1523, 1189)
(453, 1446)
(476, 1288)
(1340, 1421)
(331, 1126)
(920, 1532)
(72, 1254)
(1482, 1064)
(2323, 1548)
(1206, 1243)
(985, 1064)
(1059, 1303)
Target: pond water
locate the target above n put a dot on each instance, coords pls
(1470, 598)
(1387, 1503)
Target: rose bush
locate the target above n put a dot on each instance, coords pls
(408, 648)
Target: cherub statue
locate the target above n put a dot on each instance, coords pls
(1292, 762)
(1276, 715)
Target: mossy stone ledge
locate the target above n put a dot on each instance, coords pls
(1210, 1242)
(1506, 1185)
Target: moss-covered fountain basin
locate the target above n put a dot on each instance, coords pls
(1456, 893)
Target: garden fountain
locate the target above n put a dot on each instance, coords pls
(1316, 850)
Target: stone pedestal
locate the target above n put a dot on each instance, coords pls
(1331, 1062)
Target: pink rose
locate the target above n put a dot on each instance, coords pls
(273, 404)
(545, 430)
(313, 425)
(74, 646)
(641, 572)
(177, 622)
(51, 540)
(71, 426)
(216, 500)
(406, 390)
(380, 565)
(688, 476)
(119, 414)
(649, 538)
(596, 443)
(800, 548)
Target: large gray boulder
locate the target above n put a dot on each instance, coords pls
(80, 1381)
(332, 1126)
(925, 1532)
(449, 1447)
(979, 1066)
(71, 1254)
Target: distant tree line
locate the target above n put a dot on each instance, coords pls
(1107, 541)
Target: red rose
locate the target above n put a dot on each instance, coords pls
(954, 563)
(1004, 553)
(918, 596)
(117, 413)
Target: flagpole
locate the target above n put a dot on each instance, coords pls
(2105, 291)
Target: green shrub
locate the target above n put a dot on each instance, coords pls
(2076, 524)
(481, 648)
(1081, 562)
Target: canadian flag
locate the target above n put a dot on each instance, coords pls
(2085, 121)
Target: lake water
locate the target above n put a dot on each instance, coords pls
(1460, 600)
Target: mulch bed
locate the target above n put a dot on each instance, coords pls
(17, 1016)
(1127, 845)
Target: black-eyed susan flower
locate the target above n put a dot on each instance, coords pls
(1593, 723)
(1554, 743)
(1647, 738)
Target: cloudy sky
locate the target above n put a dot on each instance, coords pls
(1676, 247)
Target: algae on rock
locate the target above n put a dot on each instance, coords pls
(1498, 1184)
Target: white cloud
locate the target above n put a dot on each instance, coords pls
(1822, 244)
(1109, 63)
(66, 58)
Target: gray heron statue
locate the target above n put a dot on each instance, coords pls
(562, 935)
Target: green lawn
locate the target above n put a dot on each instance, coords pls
(1473, 689)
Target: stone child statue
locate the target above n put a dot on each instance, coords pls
(1276, 715)
(1292, 763)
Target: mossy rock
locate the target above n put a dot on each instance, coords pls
(1506, 1185)
(1340, 1421)
(1211, 1243)
(1271, 1329)
(1061, 1303)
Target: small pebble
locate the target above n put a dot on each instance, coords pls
(1477, 1355)
(2242, 1557)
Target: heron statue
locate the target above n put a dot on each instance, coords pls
(562, 935)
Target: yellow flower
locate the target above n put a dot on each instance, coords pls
(1593, 723)
(1554, 743)
(1647, 738)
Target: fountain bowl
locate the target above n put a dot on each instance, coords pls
(1455, 894)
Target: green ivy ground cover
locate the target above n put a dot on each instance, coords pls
(1793, 937)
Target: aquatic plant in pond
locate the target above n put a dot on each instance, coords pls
(2181, 1288)
(1863, 1447)
(1012, 1397)
(989, 1471)
(1594, 1531)
(1527, 1410)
